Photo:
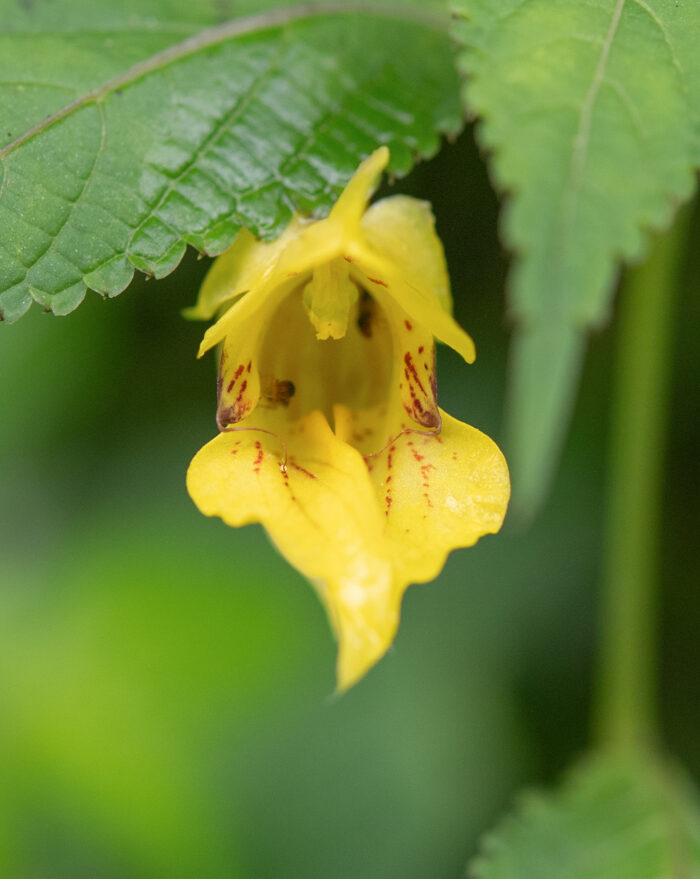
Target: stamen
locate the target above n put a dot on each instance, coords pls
(434, 432)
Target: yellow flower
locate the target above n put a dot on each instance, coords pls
(333, 324)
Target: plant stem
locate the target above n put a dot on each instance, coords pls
(626, 710)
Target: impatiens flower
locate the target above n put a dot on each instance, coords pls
(330, 432)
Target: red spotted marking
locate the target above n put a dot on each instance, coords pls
(421, 349)
(408, 325)
(285, 477)
(389, 461)
(425, 471)
(259, 458)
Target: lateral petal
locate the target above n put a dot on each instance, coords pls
(322, 514)
(245, 264)
(383, 277)
(313, 244)
(437, 492)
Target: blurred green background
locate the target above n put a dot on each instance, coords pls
(166, 704)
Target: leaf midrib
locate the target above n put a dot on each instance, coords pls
(582, 138)
(583, 131)
(221, 33)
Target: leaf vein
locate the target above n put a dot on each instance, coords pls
(219, 34)
(583, 133)
(74, 203)
(233, 114)
(664, 33)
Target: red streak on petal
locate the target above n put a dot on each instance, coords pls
(302, 470)
(239, 398)
(408, 325)
(410, 366)
(235, 378)
(377, 281)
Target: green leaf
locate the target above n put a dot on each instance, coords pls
(129, 131)
(590, 112)
(614, 818)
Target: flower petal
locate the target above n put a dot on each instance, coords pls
(353, 200)
(437, 492)
(238, 384)
(313, 244)
(403, 229)
(261, 268)
(238, 269)
(322, 514)
(382, 276)
(414, 380)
